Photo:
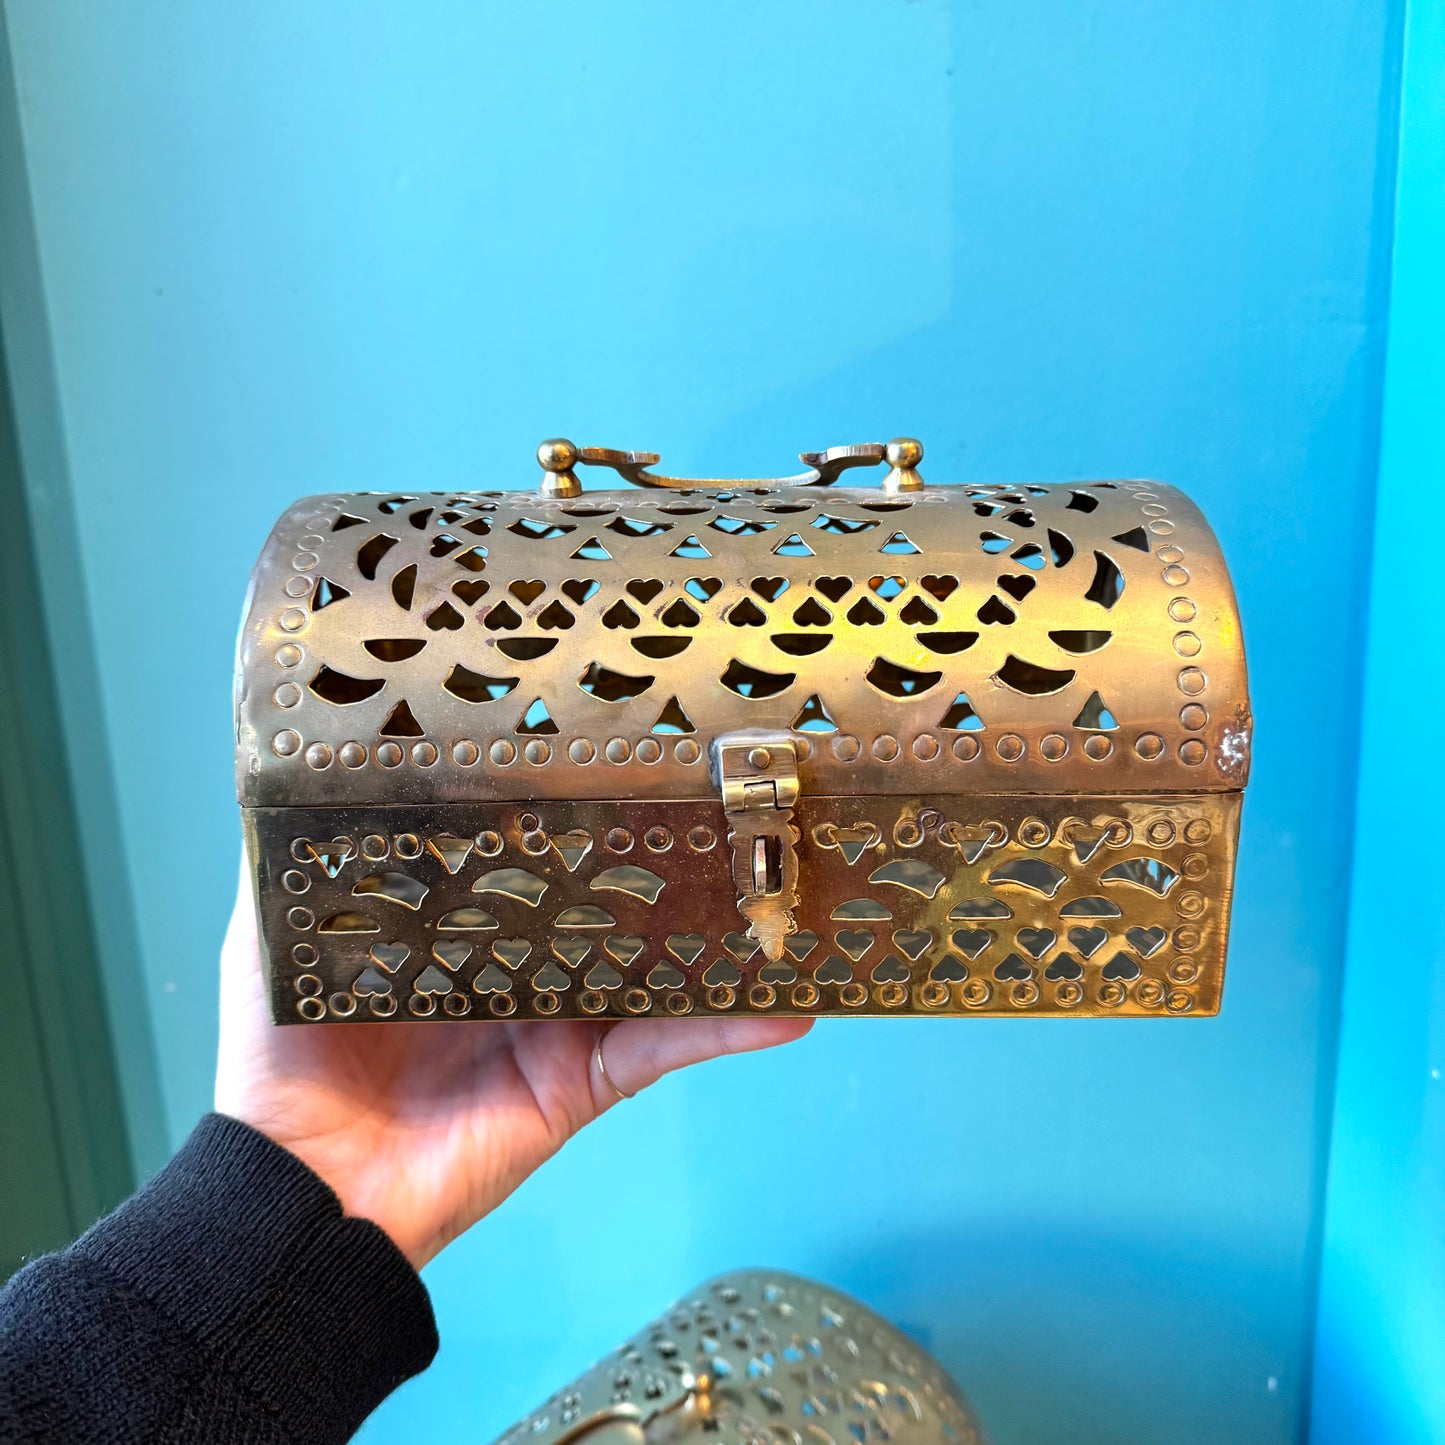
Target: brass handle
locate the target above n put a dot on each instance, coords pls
(559, 456)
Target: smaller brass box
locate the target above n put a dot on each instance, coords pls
(743, 746)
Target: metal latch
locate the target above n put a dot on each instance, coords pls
(756, 772)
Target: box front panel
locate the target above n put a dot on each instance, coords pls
(988, 904)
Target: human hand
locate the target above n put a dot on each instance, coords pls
(426, 1127)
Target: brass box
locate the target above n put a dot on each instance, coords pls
(730, 747)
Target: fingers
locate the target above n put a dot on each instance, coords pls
(638, 1052)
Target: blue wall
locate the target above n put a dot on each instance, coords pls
(300, 247)
(1380, 1363)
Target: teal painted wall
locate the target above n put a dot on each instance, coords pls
(1380, 1363)
(299, 247)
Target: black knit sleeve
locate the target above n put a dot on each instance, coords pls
(228, 1300)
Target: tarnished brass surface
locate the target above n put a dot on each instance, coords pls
(1027, 660)
(758, 1357)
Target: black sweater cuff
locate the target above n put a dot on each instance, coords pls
(313, 1318)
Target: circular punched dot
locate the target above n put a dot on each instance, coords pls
(296, 587)
(1176, 576)
(853, 995)
(687, 751)
(619, 840)
(721, 997)
(304, 953)
(1118, 833)
(287, 695)
(1195, 866)
(304, 562)
(933, 994)
(341, 1005)
(618, 750)
(1160, 832)
(929, 819)
(285, 743)
(318, 756)
(926, 747)
(1197, 830)
(1054, 748)
(1150, 992)
(1149, 746)
(382, 1005)
(892, 995)
(300, 918)
(424, 754)
(1181, 609)
(502, 1005)
(658, 839)
(1186, 940)
(677, 1004)
(288, 655)
(1112, 993)
(1069, 994)
(581, 751)
(489, 843)
(375, 846)
(389, 754)
(1161, 528)
(421, 1005)
(977, 992)
(1190, 905)
(1154, 509)
(1024, 994)
(1034, 832)
(1187, 644)
(293, 619)
(1010, 747)
(803, 746)
(502, 752)
(308, 985)
(846, 747)
(805, 994)
(591, 1002)
(534, 842)
(1193, 752)
(885, 747)
(1171, 554)
(528, 822)
(352, 755)
(456, 1004)
(649, 750)
(293, 880)
(537, 752)
(465, 752)
(965, 749)
(762, 995)
(907, 833)
(311, 1009)
(1184, 970)
(546, 1003)
(1193, 716)
(701, 838)
(301, 850)
(312, 541)
(759, 758)
(1179, 1001)
(637, 1000)
(408, 845)
(1098, 747)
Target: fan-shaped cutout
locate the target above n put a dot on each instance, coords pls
(660, 648)
(638, 882)
(449, 850)
(673, 719)
(472, 686)
(393, 504)
(1091, 907)
(961, 716)
(861, 910)
(753, 682)
(536, 719)
(607, 685)
(900, 545)
(368, 557)
(746, 613)
(394, 649)
(555, 617)
(1035, 874)
(636, 527)
(348, 923)
(740, 526)
(1152, 874)
(996, 613)
(1082, 502)
(770, 588)
(1095, 717)
(841, 526)
(812, 614)
(538, 531)
(1135, 537)
(515, 883)
(1108, 584)
(814, 717)
(911, 873)
(1031, 679)
(444, 617)
(399, 888)
(466, 919)
(801, 644)
(1061, 548)
(794, 546)
(866, 613)
(1080, 642)
(326, 592)
(401, 723)
(342, 690)
(585, 915)
(525, 649)
(690, 547)
(895, 681)
(948, 643)
(979, 908)
(679, 614)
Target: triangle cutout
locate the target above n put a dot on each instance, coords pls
(814, 717)
(1095, 717)
(794, 546)
(672, 719)
(450, 849)
(592, 551)
(961, 717)
(537, 719)
(326, 593)
(900, 545)
(690, 547)
(401, 723)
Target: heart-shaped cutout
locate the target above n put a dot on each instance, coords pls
(581, 589)
(1017, 587)
(1013, 970)
(572, 847)
(550, 977)
(684, 946)
(1122, 968)
(887, 587)
(451, 955)
(722, 975)
(855, 840)
(800, 945)
(444, 617)
(835, 589)
(1036, 941)
(644, 588)
(891, 970)
(740, 946)
(780, 972)
(1146, 941)
(431, 980)
(390, 956)
(949, 969)
(855, 942)
(913, 942)
(1064, 968)
(1088, 940)
(572, 951)
(369, 983)
(492, 980)
(603, 975)
(704, 588)
(625, 947)
(527, 589)
(834, 970)
(939, 586)
(770, 588)
(514, 952)
(972, 941)
(471, 590)
(664, 975)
